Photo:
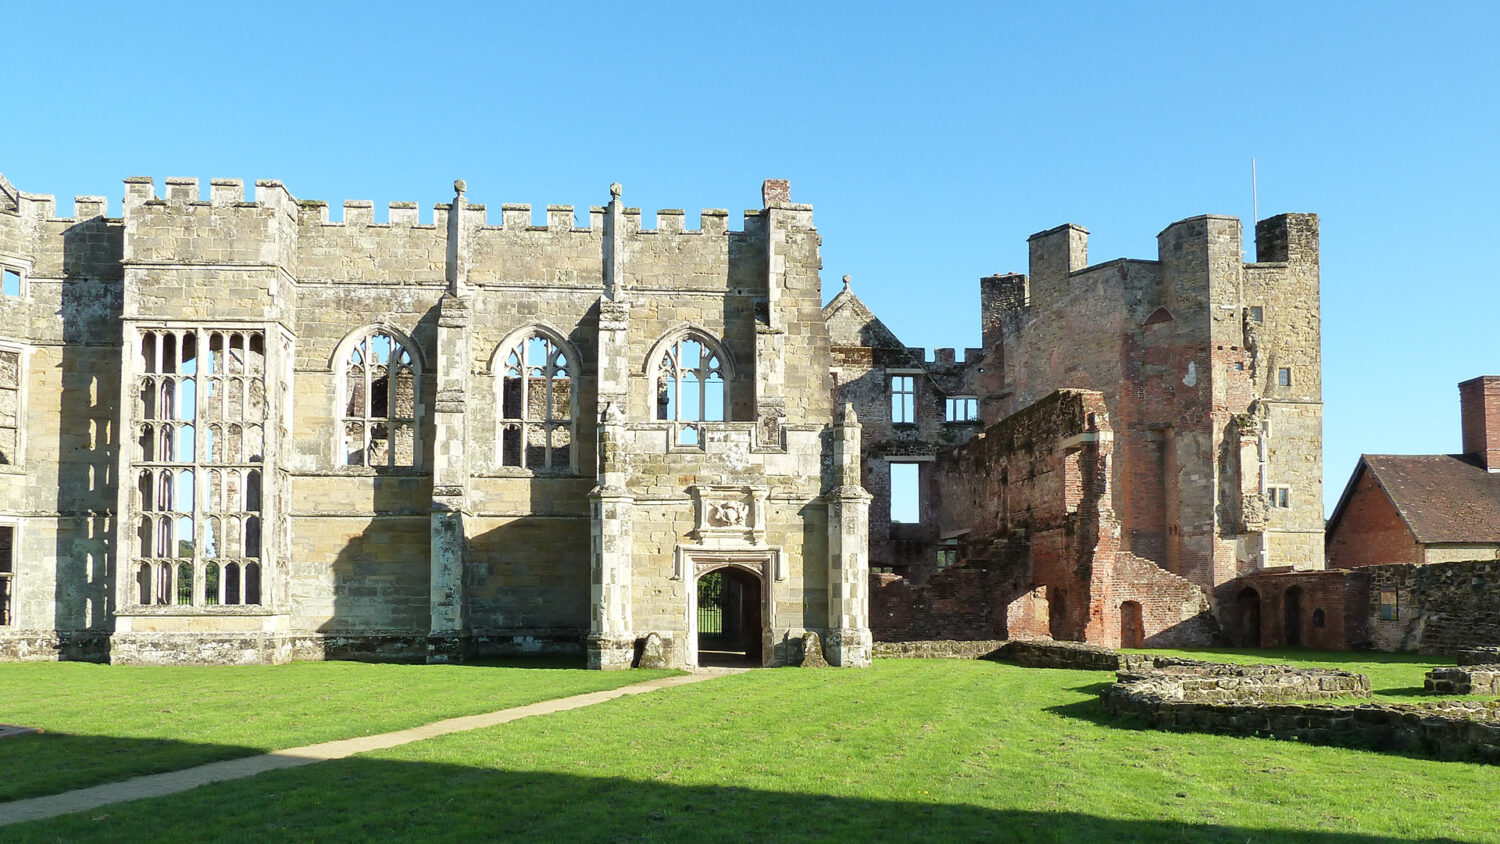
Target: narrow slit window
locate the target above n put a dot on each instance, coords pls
(7, 573)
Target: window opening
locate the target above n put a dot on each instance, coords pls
(201, 409)
(10, 406)
(10, 285)
(1390, 608)
(1257, 313)
(1284, 377)
(903, 399)
(536, 406)
(380, 401)
(690, 387)
(7, 573)
(963, 408)
(906, 500)
(1279, 497)
(947, 554)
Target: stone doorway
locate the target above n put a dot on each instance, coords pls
(729, 624)
(1248, 604)
(1132, 625)
(1293, 627)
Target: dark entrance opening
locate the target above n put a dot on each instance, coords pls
(729, 621)
(1248, 604)
(1293, 602)
(1132, 626)
(1057, 613)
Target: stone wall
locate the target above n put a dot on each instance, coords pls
(1464, 680)
(1284, 608)
(940, 649)
(1446, 730)
(1440, 608)
(452, 548)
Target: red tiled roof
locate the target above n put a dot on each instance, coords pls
(1442, 497)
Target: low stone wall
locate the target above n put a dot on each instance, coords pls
(1464, 680)
(1040, 653)
(939, 649)
(1208, 682)
(1489, 655)
(1177, 701)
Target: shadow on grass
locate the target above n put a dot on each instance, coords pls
(369, 799)
(51, 763)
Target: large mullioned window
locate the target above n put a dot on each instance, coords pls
(690, 387)
(198, 467)
(536, 405)
(10, 406)
(379, 406)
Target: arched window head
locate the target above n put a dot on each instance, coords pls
(690, 385)
(536, 404)
(379, 402)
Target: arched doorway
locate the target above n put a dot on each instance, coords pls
(729, 620)
(1132, 625)
(1248, 605)
(1293, 606)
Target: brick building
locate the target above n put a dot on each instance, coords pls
(1200, 458)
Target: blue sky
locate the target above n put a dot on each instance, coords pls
(932, 140)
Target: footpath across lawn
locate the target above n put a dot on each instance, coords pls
(910, 750)
(106, 723)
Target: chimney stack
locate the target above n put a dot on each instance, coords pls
(1480, 402)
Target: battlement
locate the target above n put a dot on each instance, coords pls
(141, 191)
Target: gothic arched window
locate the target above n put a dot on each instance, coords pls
(378, 405)
(536, 404)
(691, 385)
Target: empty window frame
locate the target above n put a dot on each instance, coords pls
(906, 493)
(947, 554)
(536, 404)
(963, 409)
(1390, 608)
(378, 408)
(1257, 313)
(903, 399)
(200, 412)
(691, 387)
(1279, 497)
(10, 406)
(7, 574)
(1284, 377)
(10, 282)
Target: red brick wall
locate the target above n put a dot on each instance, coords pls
(1370, 532)
(1480, 401)
(1339, 598)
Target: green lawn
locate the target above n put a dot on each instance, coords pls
(1394, 677)
(110, 722)
(909, 750)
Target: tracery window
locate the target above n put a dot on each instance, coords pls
(536, 405)
(198, 465)
(690, 387)
(379, 402)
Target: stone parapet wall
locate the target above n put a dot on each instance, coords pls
(1464, 680)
